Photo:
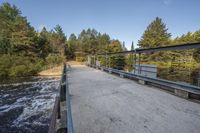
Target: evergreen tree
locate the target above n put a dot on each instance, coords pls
(71, 46)
(132, 46)
(23, 51)
(57, 40)
(130, 59)
(117, 61)
(155, 35)
(196, 54)
(16, 34)
(104, 41)
(123, 46)
(43, 42)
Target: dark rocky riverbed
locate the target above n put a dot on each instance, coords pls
(26, 107)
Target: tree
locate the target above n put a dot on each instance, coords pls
(117, 61)
(130, 59)
(104, 41)
(132, 46)
(71, 46)
(57, 40)
(123, 46)
(155, 35)
(43, 43)
(196, 54)
(188, 38)
(16, 34)
(91, 42)
(23, 51)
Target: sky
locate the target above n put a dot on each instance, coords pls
(125, 20)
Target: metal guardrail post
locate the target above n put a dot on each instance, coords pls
(198, 79)
(139, 67)
(109, 61)
(106, 60)
(94, 60)
(134, 65)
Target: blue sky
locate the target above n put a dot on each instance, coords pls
(125, 20)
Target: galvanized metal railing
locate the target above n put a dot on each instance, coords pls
(171, 85)
(63, 96)
(162, 83)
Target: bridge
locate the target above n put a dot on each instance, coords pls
(99, 99)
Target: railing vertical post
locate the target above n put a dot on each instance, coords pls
(198, 79)
(109, 61)
(139, 60)
(88, 60)
(95, 60)
(106, 60)
(134, 65)
(58, 115)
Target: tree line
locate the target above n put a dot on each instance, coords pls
(156, 35)
(25, 51)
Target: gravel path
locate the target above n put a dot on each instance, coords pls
(104, 103)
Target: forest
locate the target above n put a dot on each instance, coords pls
(24, 51)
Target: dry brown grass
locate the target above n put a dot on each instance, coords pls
(55, 71)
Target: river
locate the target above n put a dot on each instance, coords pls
(25, 107)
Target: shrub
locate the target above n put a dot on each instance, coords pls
(54, 59)
(18, 65)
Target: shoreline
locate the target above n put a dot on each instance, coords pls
(55, 71)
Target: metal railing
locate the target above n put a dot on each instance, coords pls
(156, 49)
(63, 96)
(162, 83)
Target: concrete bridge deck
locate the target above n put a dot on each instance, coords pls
(104, 103)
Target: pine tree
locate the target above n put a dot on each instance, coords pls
(71, 46)
(155, 35)
(16, 34)
(132, 46)
(196, 54)
(130, 58)
(117, 61)
(123, 46)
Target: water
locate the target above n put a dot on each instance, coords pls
(26, 107)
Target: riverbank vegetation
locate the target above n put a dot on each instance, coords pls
(25, 51)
